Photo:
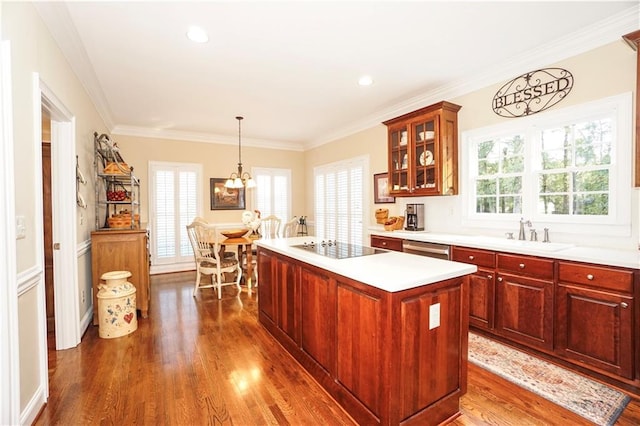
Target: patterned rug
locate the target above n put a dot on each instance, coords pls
(587, 398)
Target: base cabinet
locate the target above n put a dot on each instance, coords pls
(482, 285)
(595, 317)
(581, 314)
(372, 350)
(121, 250)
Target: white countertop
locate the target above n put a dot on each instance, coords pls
(602, 256)
(390, 271)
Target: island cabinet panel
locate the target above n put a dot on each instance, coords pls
(430, 374)
(318, 311)
(279, 289)
(388, 358)
(595, 317)
(525, 300)
(360, 338)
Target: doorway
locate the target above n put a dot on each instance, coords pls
(47, 228)
(61, 288)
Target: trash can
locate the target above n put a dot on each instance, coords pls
(116, 305)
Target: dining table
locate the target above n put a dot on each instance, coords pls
(243, 245)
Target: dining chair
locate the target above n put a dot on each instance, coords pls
(270, 227)
(209, 260)
(290, 228)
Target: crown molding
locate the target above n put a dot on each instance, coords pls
(204, 138)
(55, 16)
(591, 37)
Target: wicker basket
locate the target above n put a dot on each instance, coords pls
(394, 223)
(382, 215)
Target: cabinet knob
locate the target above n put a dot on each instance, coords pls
(489, 276)
(521, 266)
(471, 257)
(590, 277)
(625, 305)
(384, 243)
(500, 279)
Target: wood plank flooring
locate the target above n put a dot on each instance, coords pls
(204, 361)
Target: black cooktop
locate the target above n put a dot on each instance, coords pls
(337, 250)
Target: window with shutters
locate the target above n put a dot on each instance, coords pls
(339, 208)
(570, 166)
(175, 200)
(272, 195)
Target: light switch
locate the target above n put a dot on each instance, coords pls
(434, 316)
(21, 227)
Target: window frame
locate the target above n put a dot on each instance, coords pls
(166, 263)
(343, 166)
(272, 172)
(616, 223)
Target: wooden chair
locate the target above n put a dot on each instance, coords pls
(270, 227)
(206, 251)
(290, 228)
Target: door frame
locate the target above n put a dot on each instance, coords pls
(9, 344)
(64, 214)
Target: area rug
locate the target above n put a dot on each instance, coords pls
(592, 400)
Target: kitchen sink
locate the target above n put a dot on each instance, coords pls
(532, 245)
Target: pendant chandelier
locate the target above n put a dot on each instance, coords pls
(239, 179)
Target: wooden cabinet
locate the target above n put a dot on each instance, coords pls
(423, 151)
(386, 243)
(482, 285)
(379, 354)
(278, 291)
(594, 317)
(121, 250)
(524, 299)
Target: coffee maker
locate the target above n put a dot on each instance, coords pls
(414, 217)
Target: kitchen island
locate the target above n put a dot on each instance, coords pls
(384, 333)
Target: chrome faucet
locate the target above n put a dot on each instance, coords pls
(546, 236)
(521, 234)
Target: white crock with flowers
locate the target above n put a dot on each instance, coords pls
(116, 305)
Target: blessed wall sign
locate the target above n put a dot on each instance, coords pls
(532, 92)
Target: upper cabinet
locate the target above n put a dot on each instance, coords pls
(423, 151)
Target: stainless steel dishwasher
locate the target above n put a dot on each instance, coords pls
(440, 251)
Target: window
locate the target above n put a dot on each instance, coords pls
(272, 195)
(570, 166)
(175, 200)
(339, 200)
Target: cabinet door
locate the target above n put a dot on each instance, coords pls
(481, 299)
(524, 310)
(399, 159)
(318, 316)
(595, 328)
(286, 292)
(425, 152)
(267, 290)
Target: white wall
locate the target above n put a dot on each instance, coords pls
(602, 72)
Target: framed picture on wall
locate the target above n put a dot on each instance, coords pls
(381, 189)
(223, 198)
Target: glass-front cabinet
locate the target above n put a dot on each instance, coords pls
(423, 151)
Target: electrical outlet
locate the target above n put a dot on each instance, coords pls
(83, 298)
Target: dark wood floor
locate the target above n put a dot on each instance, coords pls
(204, 361)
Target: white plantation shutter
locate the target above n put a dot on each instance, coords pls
(174, 203)
(272, 195)
(339, 200)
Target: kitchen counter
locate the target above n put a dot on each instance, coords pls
(602, 256)
(389, 271)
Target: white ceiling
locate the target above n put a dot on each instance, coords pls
(291, 68)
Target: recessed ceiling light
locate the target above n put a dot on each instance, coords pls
(365, 80)
(197, 34)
